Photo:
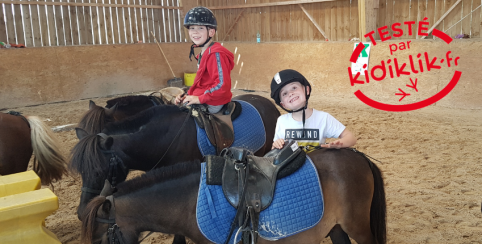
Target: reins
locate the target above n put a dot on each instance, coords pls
(177, 135)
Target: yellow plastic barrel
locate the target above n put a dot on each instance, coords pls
(189, 78)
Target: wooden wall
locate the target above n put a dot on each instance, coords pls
(392, 11)
(40, 23)
(90, 22)
(338, 19)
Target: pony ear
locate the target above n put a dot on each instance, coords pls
(91, 104)
(107, 190)
(81, 133)
(106, 143)
(110, 111)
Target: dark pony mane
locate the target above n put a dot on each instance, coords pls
(94, 120)
(132, 123)
(158, 175)
(131, 100)
(87, 157)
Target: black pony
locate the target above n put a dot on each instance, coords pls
(158, 136)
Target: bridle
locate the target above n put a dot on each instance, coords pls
(114, 234)
(114, 164)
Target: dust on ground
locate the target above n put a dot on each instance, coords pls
(430, 159)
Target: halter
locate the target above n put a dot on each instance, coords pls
(114, 234)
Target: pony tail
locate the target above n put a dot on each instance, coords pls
(89, 215)
(378, 209)
(48, 163)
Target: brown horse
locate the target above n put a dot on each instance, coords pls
(19, 137)
(164, 200)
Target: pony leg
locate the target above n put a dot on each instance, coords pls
(338, 236)
(179, 239)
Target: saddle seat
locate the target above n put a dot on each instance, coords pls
(219, 126)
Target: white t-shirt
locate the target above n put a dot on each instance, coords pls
(319, 126)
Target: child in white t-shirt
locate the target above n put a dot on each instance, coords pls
(308, 126)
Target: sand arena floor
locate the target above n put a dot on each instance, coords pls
(431, 162)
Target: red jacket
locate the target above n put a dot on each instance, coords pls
(213, 78)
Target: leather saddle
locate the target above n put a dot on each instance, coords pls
(248, 182)
(219, 126)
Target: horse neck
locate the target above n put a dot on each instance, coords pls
(168, 207)
(144, 150)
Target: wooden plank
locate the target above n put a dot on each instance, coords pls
(318, 16)
(70, 24)
(421, 14)
(476, 24)
(26, 15)
(37, 36)
(108, 23)
(63, 23)
(159, 20)
(355, 18)
(413, 7)
(266, 19)
(327, 10)
(126, 12)
(333, 22)
(465, 23)
(43, 27)
(313, 21)
(87, 33)
(18, 24)
(430, 12)
(228, 33)
(166, 23)
(257, 22)
(339, 21)
(361, 19)
(96, 4)
(346, 20)
(115, 21)
(81, 29)
(11, 36)
(308, 30)
(443, 16)
(268, 4)
(454, 16)
(382, 12)
(3, 29)
(150, 22)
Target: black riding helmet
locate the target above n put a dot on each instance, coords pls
(282, 79)
(200, 16)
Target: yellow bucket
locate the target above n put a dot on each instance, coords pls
(189, 78)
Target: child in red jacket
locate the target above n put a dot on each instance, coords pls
(212, 85)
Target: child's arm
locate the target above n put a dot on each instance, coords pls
(346, 139)
(221, 76)
(279, 143)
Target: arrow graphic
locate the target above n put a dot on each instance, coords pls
(414, 85)
(403, 94)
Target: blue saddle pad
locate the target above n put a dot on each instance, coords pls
(297, 206)
(249, 132)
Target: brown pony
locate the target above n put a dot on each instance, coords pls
(19, 137)
(164, 200)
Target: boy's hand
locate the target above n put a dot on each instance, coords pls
(189, 100)
(278, 144)
(180, 98)
(335, 144)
